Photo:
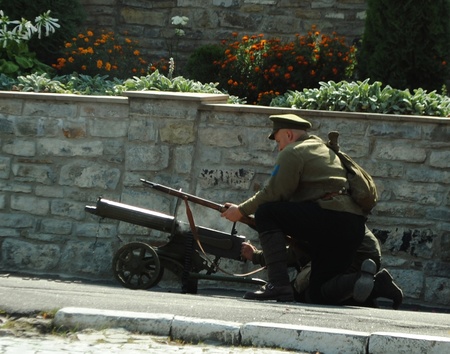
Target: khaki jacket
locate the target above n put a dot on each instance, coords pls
(306, 170)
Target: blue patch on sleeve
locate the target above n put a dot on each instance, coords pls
(275, 170)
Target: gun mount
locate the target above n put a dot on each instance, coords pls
(138, 265)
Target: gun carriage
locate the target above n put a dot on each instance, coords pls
(139, 265)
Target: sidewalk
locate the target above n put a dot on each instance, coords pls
(217, 316)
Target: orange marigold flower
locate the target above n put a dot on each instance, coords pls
(290, 68)
(90, 50)
(234, 34)
(128, 40)
(99, 64)
(134, 70)
(230, 82)
(257, 69)
(90, 33)
(86, 39)
(313, 73)
(287, 76)
(136, 52)
(71, 59)
(68, 45)
(444, 62)
(335, 71)
(81, 35)
(108, 66)
(83, 67)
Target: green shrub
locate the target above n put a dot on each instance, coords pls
(200, 65)
(364, 97)
(406, 43)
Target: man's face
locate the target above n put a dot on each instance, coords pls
(283, 137)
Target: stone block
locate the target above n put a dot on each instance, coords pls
(182, 158)
(37, 126)
(30, 204)
(20, 147)
(49, 191)
(395, 151)
(86, 174)
(222, 137)
(22, 255)
(6, 125)
(138, 16)
(100, 230)
(440, 159)
(10, 106)
(87, 258)
(57, 147)
(395, 131)
(54, 226)
(16, 220)
(420, 174)
(143, 130)
(410, 281)
(108, 128)
(5, 167)
(26, 172)
(47, 108)
(177, 132)
(68, 209)
(146, 157)
(437, 290)
(110, 110)
(445, 247)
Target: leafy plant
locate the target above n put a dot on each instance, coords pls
(365, 97)
(71, 15)
(159, 82)
(103, 54)
(15, 56)
(39, 83)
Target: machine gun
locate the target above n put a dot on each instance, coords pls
(139, 265)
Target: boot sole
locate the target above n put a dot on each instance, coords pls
(364, 285)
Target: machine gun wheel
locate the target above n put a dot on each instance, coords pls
(136, 265)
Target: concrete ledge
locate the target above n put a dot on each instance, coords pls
(82, 318)
(255, 334)
(381, 343)
(309, 339)
(196, 330)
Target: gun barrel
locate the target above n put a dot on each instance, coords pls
(133, 215)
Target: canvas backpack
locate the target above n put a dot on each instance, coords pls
(362, 186)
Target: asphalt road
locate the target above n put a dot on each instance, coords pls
(22, 294)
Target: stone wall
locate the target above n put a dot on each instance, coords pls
(211, 21)
(58, 153)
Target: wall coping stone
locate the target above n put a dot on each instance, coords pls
(63, 97)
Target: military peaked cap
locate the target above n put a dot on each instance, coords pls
(287, 121)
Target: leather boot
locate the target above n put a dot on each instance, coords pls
(358, 286)
(278, 287)
(386, 288)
